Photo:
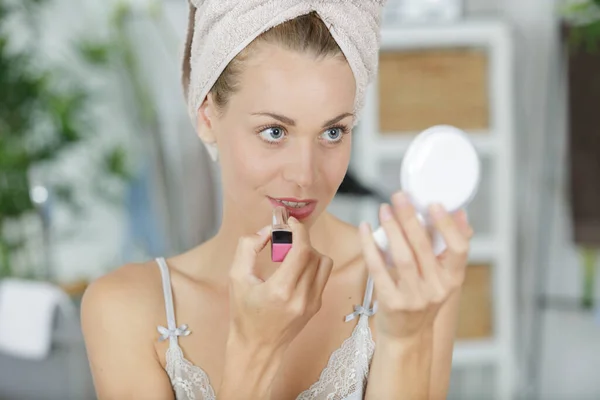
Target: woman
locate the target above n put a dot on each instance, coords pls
(278, 108)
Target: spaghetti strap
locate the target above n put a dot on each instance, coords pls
(365, 309)
(368, 293)
(171, 331)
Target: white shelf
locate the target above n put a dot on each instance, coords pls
(393, 145)
(372, 148)
(483, 249)
(472, 33)
(475, 352)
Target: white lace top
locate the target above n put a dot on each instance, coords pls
(344, 377)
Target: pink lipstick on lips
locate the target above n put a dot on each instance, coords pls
(299, 209)
(281, 235)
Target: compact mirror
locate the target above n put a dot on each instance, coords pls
(442, 166)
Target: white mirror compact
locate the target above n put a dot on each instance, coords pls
(442, 166)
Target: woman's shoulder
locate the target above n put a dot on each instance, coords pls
(125, 294)
(127, 280)
(120, 312)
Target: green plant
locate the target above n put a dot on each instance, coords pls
(583, 20)
(589, 259)
(43, 114)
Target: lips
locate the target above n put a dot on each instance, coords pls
(297, 208)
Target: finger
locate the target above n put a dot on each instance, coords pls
(462, 221)
(399, 249)
(323, 273)
(307, 278)
(417, 237)
(247, 249)
(297, 259)
(457, 244)
(375, 263)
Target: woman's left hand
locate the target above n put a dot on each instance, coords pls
(412, 290)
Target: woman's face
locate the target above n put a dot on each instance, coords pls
(284, 137)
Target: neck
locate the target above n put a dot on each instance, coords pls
(236, 224)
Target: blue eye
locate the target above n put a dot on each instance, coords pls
(334, 135)
(272, 134)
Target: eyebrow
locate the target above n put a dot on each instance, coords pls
(291, 122)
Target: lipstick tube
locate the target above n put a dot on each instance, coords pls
(281, 235)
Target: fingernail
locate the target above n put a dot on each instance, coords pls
(400, 199)
(364, 228)
(292, 220)
(385, 212)
(437, 210)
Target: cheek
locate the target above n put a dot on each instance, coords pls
(334, 165)
(255, 169)
(244, 165)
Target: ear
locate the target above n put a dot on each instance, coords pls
(205, 120)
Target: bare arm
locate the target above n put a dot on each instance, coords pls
(119, 340)
(248, 367)
(419, 303)
(265, 317)
(418, 368)
(123, 364)
(401, 367)
(443, 346)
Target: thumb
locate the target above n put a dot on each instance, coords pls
(247, 249)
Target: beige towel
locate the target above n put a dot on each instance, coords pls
(224, 27)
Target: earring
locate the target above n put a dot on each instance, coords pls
(213, 151)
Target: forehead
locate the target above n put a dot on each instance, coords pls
(277, 78)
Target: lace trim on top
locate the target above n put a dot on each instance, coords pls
(345, 374)
(344, 377)
(348, 367)
(188, 380)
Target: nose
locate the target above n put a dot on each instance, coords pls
(301, 165)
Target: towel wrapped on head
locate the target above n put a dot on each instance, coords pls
(223, 28)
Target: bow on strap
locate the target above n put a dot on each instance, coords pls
(360, 310)
(167, 333)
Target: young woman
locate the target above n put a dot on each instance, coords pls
(274, 88)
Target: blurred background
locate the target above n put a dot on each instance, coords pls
(99, 166)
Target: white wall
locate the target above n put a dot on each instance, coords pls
(482, 7)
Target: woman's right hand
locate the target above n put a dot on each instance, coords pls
(269, 314)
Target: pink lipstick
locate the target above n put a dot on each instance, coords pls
(281, 235)
(301, 209)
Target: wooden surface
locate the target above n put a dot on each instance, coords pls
(475, 319)
(74, 289)
(418, 89)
